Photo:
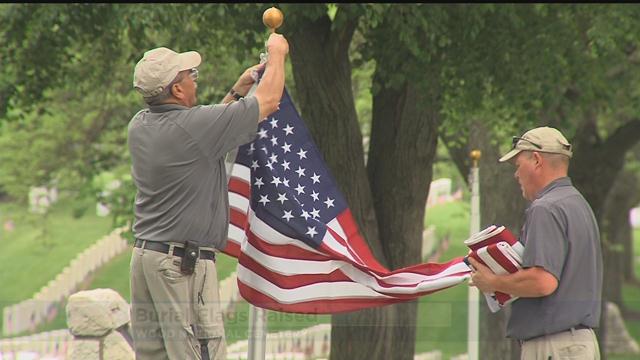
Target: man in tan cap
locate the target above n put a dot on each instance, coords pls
(560, 284)
(181, 207)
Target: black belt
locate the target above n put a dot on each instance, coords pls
(574, 328)
(177, 251)
(580, 327)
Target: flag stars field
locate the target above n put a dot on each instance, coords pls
(264, 199)
(288, 130)
(329, 202)
(287, 215)
(311, 231)
(282, 198)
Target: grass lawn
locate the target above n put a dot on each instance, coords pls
(29, 260)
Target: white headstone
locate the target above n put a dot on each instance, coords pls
(634, 217)
(439, 191)
(102, 210)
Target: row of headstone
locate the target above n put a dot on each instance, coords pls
(45, 345)
(44, 305)
(440, 192)
(98, 322)
(310, 343)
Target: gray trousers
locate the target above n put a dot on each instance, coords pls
(175, 316)
(571, 344)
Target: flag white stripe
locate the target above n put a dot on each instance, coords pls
(239, 202)
(317, 291)
(236, 234)
(491, 263)
(518, 248)
(241, 171)
(332, 243)
(335, 226)
(506, 250)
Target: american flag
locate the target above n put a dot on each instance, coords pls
(497, 248)
(298, 246)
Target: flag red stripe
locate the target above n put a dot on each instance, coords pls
(499, 257)
(240, 186)
(237, 217)
(232, 249)
(502, 298)
(284, 251)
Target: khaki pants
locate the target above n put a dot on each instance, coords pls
(174, 315)
(571, 344)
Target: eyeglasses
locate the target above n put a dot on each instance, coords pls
(193, 74)
(516, 139)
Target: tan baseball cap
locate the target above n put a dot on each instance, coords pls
(158, 67)
(542, 139)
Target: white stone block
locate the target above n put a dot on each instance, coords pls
(95, 312)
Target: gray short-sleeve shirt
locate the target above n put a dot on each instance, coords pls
(561, 235)
(177, 158)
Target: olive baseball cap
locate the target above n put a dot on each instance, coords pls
(543, 139)
(158, 67)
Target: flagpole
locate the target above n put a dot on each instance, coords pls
(272, 18)
(474, 227)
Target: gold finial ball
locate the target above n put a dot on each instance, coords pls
(475, 155)
(272, 18)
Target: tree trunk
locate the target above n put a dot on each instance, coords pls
(623, 196)
(403, 144)
(595, 165)
(323, 86)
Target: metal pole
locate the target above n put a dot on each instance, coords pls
(474, 296)
(272, 18)
(257, 333)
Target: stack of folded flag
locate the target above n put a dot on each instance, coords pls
(497, 248)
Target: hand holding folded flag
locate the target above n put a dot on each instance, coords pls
(498, 249)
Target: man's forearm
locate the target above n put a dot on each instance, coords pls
(531, 282)
(269, 91)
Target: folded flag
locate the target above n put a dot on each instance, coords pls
(497, 248)
(298, 246)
